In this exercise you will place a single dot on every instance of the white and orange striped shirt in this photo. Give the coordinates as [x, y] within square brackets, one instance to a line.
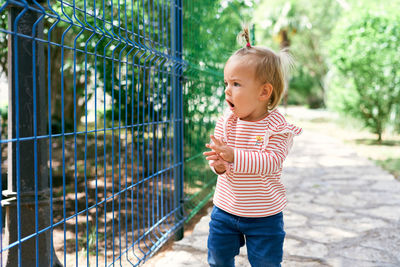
[251, 186]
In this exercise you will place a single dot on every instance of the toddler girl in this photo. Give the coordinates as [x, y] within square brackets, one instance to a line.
[249, 145]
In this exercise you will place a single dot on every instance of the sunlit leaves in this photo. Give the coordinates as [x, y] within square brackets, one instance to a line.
[365, 50]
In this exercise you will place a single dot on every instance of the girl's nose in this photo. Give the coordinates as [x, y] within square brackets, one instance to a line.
[227, 90]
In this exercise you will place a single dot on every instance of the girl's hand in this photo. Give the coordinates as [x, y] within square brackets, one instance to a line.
[216, 161]
[220, 169]
[221, 149]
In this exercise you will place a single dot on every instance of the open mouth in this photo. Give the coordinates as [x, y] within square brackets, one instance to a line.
[230, 103]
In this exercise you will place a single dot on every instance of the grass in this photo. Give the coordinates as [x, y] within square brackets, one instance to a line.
[392, 165]
[83, 241]
[385, 154]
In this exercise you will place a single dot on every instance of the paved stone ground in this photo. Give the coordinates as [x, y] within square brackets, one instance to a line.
[343, 211]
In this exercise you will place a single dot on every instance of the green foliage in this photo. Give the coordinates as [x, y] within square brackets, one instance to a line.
[96, 55]
[365, 52]
[136, 80]
[308, 24]
[305, 89]
[392, 165]
[209, 38]
[209, 30]
[88, 240]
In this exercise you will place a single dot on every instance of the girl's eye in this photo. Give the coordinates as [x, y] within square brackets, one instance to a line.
[236, 84]
[226, 84]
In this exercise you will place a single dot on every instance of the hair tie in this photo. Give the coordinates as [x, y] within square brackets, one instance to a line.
[248, 44]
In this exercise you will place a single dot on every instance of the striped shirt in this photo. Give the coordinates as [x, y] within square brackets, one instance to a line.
[251, 186]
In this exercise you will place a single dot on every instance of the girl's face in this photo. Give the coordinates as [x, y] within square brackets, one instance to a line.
[246, 96]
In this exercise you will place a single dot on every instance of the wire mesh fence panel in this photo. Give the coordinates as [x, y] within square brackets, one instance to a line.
[105, 102]
[91, 143]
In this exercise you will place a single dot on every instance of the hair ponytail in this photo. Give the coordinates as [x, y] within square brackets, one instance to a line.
[244, 35]
[287, 63]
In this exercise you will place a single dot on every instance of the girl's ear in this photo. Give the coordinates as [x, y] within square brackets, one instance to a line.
[266, 91]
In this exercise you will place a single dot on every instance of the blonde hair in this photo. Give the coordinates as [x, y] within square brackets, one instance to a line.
[270, 67]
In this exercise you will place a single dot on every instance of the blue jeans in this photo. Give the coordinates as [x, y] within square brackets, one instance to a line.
[263, 236]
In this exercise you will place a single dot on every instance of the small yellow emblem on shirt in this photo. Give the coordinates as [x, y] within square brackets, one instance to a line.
[259, 140]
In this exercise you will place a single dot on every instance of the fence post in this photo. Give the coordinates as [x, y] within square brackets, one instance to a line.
[176, 39]
[26, 199]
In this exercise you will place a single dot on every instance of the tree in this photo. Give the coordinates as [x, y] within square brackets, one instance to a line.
[364, 50]
[305, 25]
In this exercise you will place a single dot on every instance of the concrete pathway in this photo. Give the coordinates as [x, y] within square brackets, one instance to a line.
[343, 211]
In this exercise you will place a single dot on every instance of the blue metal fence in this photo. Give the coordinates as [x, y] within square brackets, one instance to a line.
[93, 158]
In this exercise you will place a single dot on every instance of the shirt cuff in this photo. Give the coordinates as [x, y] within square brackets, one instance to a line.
[215, 171]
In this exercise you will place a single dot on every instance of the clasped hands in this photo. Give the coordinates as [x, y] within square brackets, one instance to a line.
[220, 154]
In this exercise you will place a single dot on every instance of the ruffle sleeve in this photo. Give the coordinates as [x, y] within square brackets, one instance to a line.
[280, 129]
[284, 128]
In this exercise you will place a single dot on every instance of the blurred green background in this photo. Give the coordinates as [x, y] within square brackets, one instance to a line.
[347, 55]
